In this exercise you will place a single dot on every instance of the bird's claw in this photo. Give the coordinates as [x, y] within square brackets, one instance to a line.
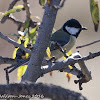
[52, 59]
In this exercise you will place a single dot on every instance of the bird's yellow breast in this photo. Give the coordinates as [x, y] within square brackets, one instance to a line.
[70, 44]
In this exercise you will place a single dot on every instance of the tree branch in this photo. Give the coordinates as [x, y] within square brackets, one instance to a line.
[60, 6]
[16, 21]
[88, 44]
[26, 6]
[14, 43]
[20, 24]
[38, 90]
[71, 60]
[47, 69]
[5, 60]
[42, 41]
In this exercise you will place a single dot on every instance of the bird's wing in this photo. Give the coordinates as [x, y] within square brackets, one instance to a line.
[59, 37]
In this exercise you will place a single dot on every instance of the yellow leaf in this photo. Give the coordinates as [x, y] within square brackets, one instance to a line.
[26, 41]
[15, 50]
[69, 53]
[19, 41]
[14, 53]
[26, 56]
[94, 8]
[21, 71]
[18, 7]
[15, 9]
[49, 56]
[48, 52]
[48, 1]
[70, 67]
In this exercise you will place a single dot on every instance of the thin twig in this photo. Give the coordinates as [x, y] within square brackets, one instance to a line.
[32, 24]
[13, 67]
[71, 60]
[7, 76]
[90, 56]
[60, 6]
[16, 65]
[88, 44]
[14, 43]
[19, 64]
[28, 13]
[47, 69]
[5, 60]
[27, 8]
[16, 21]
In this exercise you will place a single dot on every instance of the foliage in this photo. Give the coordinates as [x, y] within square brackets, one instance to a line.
[15, 9]
[42, 2]
[94, 13]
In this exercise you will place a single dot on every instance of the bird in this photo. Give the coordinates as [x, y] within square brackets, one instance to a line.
[65, 37]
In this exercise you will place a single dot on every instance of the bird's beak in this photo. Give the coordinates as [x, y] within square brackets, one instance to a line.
[84, 28]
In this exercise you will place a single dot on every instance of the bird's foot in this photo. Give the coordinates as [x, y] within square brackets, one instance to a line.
[52, 59]
[61, 49]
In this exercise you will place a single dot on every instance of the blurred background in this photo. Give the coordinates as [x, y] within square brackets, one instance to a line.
[78, 9]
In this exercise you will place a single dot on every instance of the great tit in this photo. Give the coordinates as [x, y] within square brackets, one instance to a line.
[66, 37]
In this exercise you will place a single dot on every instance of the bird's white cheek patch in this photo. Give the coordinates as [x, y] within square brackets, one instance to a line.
[72, 30]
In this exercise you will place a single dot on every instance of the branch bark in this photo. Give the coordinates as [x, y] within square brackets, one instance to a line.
[42, 41]
[38, 90]
[5, 60]
[14, 43]
[71, 60]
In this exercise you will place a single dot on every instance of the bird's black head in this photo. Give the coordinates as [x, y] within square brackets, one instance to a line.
[73, 27]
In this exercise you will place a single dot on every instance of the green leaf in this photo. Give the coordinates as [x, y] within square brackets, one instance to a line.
[94, 13]
[26, 24]
[13, 34]
[17, 8]
[42, 2]
[9, 12]
[32, 33]
[33, 30]
[26, 41]
[33, 42]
